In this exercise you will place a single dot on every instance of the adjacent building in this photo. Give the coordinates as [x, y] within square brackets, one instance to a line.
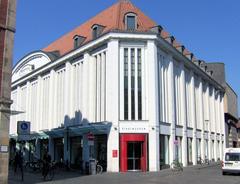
[7, 30]
[230, 105]
[122, 90]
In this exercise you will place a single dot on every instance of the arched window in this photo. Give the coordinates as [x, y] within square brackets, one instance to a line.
[131, 21]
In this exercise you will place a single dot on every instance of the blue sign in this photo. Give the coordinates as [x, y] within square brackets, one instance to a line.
[24, 126]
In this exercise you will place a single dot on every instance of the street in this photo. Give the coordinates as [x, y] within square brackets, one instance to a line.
[196, 175]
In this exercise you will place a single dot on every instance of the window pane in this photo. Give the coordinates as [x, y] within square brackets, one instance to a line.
[126, 84]
[133, 83]
[131, 22]
[139, 58]
[95, 32]
[232, 157]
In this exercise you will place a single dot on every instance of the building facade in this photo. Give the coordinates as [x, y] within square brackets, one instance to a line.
[121, 90]
[7, 30]
[230, 105]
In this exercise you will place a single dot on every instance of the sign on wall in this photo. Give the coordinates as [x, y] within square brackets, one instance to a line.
[3, 148]
[114, 153]
[23, 127]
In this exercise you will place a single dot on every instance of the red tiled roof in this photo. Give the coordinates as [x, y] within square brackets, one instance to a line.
[111, 18]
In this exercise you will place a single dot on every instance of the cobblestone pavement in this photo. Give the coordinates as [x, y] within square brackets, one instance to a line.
[196, 175]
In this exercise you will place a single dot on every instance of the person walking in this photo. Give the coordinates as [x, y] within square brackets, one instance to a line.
[46, 164]
[18, 162]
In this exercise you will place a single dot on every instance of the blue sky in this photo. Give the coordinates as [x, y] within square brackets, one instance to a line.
[209, 29]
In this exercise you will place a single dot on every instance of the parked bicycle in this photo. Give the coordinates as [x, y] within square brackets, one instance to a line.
[99, 168]
[203, 161]
[34, 166]
[176, 166]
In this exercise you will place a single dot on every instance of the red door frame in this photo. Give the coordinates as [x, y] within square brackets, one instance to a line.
[124, 138]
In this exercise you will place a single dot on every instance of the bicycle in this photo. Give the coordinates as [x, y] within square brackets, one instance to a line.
[99, 168]
[176, 166]
[201, 161]
[34, 166]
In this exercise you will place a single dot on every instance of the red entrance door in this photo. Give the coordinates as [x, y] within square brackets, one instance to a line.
[133, 152]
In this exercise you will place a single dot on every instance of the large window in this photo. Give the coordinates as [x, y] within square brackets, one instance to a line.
[139, 53]
[164, 151]
[132, 84]
[189, 151]
[125, 84]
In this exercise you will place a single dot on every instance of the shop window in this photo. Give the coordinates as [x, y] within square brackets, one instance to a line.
[164, 152]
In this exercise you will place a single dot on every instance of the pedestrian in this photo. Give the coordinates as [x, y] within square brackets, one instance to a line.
[46, 164]
[18, 162]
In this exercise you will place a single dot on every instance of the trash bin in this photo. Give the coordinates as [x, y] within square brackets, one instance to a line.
[92, 166]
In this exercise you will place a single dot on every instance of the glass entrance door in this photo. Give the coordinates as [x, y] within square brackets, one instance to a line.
[134, 155]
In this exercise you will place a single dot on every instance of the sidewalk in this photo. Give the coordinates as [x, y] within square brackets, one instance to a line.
[61, 176]
[31, 177]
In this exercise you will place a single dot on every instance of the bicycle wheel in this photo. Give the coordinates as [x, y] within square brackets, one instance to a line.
[99, 169]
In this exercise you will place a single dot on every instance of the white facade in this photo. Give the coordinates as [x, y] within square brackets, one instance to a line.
[174, 98]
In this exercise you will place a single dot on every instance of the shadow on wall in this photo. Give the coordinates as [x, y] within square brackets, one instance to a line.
[76, 120]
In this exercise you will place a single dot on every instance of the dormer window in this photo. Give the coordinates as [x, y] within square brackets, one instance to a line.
[131, 21]
[97, 30]
[77, 41]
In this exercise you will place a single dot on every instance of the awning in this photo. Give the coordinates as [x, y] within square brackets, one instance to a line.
[95, 128]
[55, 133]
[73, 130]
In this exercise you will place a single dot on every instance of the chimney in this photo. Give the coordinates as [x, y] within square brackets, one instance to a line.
[170, 39]
[190, 56]
[180, 48]
[157, 29]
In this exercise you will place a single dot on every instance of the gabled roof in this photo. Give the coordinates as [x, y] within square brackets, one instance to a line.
[111, 18]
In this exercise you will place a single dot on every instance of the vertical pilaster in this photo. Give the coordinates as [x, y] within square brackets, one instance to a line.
[193, 118]
[171, 106]
[39, 104]
[220, 124]
[215, 124]
[209, 124]
[86, 85]
[98, 87]
[153, 105]
[67, 94]
[103, 87]
[112, 99]
[201, 119]
[92, 88]
[183, 114]
[28, 101]
[51, 99]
